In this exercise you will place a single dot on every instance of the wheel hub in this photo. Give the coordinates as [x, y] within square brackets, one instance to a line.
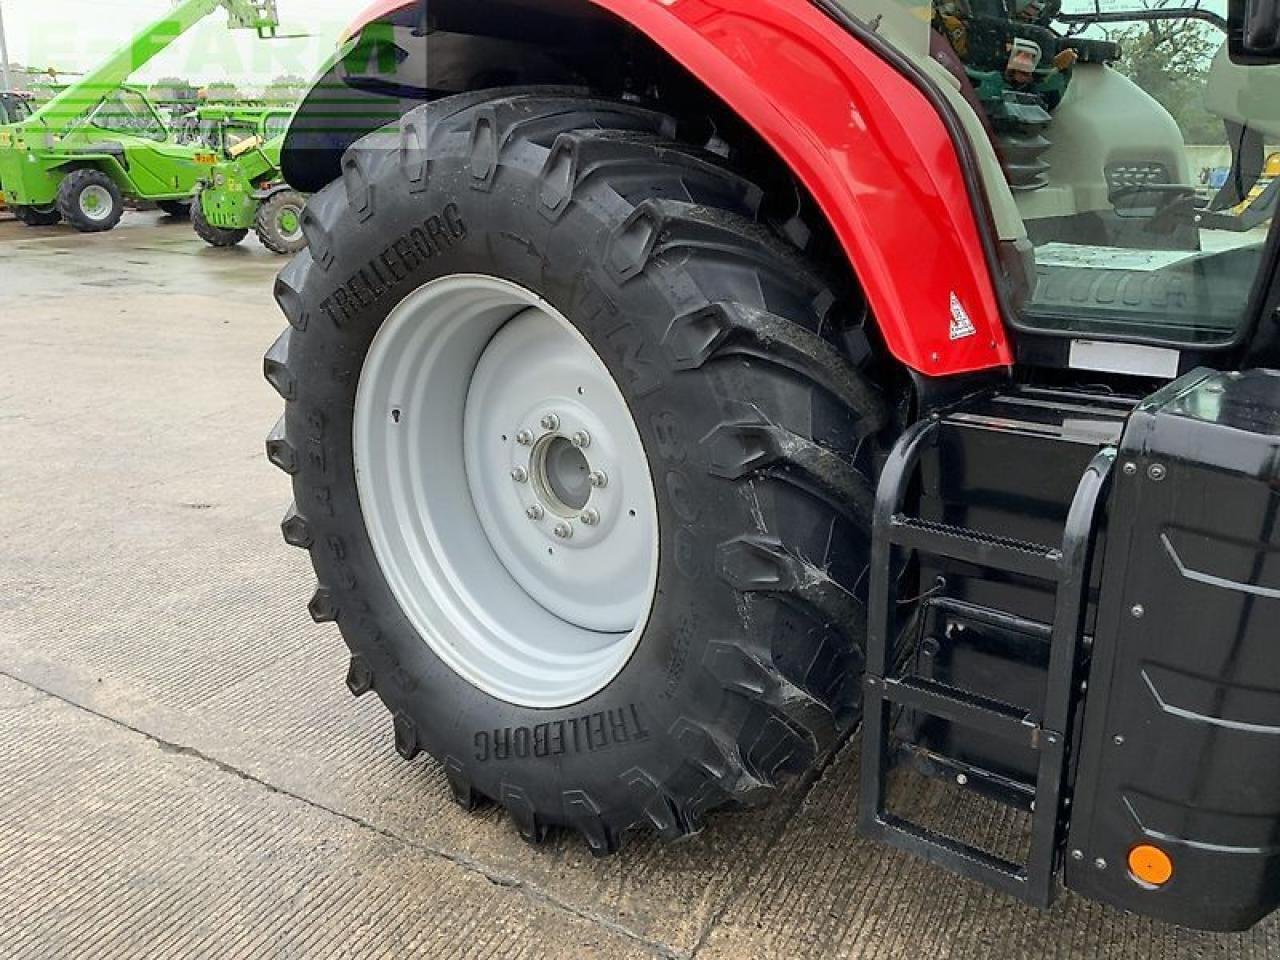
[577, 542]
[506, 490]
[95, 202]
[289, 223]
[561, 476]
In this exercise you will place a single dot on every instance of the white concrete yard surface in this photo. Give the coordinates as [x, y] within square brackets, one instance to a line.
[183, 773]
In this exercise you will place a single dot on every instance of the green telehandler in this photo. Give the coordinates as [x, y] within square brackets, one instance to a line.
[100, 141]
[245, 191]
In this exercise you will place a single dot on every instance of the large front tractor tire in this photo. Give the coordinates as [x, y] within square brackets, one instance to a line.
[90, 201]
[584, 477]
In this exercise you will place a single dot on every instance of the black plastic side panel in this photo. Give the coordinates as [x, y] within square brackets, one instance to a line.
[1181, 743]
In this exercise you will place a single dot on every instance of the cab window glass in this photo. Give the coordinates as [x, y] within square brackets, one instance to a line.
[127, 111]
[1143, 164]
[13, 108]
[277, 124]
[235, 133]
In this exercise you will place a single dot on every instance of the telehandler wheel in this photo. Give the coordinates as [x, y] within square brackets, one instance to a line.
[586, 481]
[178, 209]
[37, 216]
[278, 222]
[90, 201]
[206, 231]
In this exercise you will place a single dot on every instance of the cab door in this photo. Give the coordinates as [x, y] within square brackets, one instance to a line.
[156, 165]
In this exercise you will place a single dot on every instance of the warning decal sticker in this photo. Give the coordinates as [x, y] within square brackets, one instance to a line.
[961, 325]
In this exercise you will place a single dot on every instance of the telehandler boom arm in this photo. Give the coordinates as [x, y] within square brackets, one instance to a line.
[154, 39]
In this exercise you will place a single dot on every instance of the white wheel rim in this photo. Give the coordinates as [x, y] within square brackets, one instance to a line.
[506, 491]
[96, 202]
[294, 235]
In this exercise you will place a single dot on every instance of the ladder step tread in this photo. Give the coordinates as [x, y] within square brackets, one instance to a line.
[965, 708]
[976, 546]
[961, 857]
[1019, 793]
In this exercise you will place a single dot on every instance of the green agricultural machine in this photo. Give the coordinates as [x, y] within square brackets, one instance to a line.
[245, 191]
[100, 141]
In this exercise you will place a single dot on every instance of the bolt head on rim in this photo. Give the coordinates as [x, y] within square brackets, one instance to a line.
[510, 506]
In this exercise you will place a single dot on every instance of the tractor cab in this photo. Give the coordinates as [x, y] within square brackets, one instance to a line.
[1097, 128]
[126, 111]
[222, 128]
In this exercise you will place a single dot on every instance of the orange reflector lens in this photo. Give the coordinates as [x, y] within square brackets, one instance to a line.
[1150, 865]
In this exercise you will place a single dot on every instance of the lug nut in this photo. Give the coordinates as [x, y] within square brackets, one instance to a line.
[598, 479]
[524, 438]
[550, 422]
[535, 512]
[590, 517]
[582, 439]
[520, 475]
[564, 531]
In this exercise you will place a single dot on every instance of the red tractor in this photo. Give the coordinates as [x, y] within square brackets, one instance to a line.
[673, 386]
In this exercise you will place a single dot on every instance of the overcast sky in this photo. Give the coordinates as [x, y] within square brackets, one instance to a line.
[75, 34]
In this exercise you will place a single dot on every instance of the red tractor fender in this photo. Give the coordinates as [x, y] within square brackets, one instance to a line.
[868, 143]
[871, 148]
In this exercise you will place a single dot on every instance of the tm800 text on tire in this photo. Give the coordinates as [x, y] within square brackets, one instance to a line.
[585, 482]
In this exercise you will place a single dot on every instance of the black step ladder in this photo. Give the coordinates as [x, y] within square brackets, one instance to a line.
[1067, 567]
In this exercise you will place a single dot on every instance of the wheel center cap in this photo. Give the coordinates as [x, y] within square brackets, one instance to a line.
[561, 475]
